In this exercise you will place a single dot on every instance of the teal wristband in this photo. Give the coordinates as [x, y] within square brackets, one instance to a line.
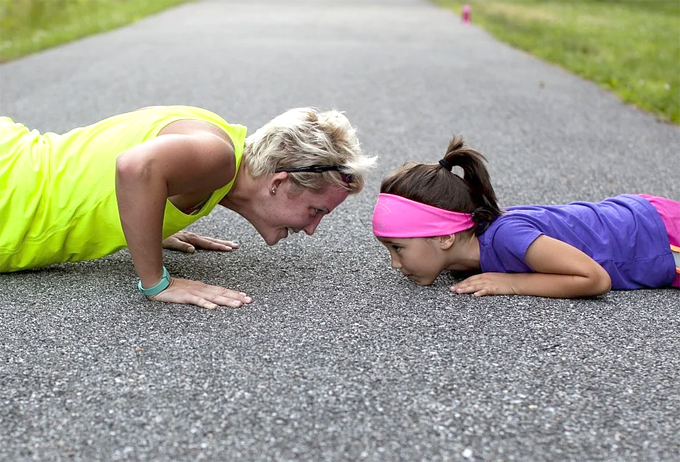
[158, 288]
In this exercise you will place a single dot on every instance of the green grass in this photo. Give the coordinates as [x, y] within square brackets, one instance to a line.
[631, 47]
[27, 26]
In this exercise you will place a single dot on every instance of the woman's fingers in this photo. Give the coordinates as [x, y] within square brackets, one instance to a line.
[226, 301]
[174, 243]
[214, 244]
[184, 246]
[189, 292]
[225, 297]
[192, 241]
[201, 302]
[217, 242]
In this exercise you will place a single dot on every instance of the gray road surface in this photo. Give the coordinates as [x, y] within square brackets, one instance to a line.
[339, 358]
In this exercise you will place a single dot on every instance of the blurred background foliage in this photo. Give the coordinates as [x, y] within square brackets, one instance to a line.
[631, 47]
[27, 26]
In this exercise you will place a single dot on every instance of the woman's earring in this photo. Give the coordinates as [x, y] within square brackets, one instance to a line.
[273, 191]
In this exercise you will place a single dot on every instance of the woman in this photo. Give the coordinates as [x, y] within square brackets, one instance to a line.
[136, 179]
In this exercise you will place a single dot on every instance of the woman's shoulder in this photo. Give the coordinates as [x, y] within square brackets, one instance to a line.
[179, 119]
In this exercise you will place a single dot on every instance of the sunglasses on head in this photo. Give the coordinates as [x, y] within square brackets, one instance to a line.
[346, 177]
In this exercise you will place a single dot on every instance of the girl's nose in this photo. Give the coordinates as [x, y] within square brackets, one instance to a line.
[394, 263]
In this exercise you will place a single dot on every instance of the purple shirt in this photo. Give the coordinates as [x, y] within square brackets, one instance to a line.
[624, 234]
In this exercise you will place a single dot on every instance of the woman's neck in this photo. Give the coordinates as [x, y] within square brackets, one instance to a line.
[243, 193]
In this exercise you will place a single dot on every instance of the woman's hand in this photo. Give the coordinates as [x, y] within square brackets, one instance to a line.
[185, 241]
[188, 292]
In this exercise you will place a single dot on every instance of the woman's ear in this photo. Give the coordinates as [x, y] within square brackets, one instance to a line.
[446, 242]
[275, 182]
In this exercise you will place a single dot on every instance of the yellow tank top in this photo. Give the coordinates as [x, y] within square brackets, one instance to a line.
[58, 195]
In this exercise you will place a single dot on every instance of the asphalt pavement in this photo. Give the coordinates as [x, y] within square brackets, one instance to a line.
[339, 358]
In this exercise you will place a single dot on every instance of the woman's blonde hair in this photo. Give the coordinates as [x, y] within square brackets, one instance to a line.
[304, 137]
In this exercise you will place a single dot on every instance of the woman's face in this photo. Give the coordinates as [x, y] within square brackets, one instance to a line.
[291, 209]
[419, 259]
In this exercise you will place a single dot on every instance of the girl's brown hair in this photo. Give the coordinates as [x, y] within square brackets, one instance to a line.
[436, 185]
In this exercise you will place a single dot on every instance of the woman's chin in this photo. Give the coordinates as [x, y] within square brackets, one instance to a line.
[273, 239]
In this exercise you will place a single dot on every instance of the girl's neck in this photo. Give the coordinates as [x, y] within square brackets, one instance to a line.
[464, 254]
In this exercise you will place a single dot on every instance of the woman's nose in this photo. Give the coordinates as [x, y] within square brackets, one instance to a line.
[310, 228]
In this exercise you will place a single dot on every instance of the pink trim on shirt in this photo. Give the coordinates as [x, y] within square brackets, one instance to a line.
[670, 215]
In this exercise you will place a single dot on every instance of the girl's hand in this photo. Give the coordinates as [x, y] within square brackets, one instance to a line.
[487, 284]
[188, 292]
[185, 241]
[561, 271]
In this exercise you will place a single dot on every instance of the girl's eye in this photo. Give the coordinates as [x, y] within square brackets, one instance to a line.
[396, 248]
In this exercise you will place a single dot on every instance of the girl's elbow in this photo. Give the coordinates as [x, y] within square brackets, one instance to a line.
[602, 282]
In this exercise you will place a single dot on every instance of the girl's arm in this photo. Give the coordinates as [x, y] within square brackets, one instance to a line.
[562, 271]
[146, 176]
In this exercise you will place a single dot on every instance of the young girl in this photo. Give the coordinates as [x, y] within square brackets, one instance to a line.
[433, 220]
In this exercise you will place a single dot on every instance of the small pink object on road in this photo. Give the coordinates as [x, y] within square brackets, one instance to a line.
[466, 14]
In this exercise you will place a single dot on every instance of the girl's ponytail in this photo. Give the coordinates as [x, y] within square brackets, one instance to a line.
[475, 174]
[437, 185]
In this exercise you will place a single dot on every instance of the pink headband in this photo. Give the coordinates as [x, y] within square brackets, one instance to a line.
[398, 217]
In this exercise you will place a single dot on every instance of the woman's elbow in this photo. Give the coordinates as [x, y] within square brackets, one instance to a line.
[131, 168]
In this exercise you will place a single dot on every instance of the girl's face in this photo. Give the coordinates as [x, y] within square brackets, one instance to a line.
[420, 259]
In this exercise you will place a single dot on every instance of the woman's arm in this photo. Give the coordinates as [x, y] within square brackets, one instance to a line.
[146, 176]
[562, 271]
